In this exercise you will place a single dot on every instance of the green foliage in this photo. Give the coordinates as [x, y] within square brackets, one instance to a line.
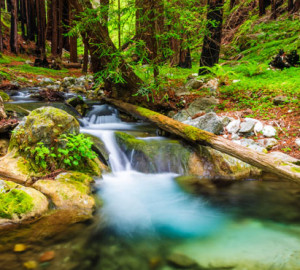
[70, 152]
[4, 96]
[14, 202]
[39, 70]
[219, 72]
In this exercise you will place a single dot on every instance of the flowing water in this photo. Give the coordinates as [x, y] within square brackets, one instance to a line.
[146, 217]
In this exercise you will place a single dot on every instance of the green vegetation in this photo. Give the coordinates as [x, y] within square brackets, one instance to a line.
[4, 96]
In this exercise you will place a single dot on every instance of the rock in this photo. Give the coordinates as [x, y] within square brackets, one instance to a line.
[181, 91]
[47, 256]
[19, 248]
[297, 141]
[196, 184]
[258, 127]
[46, 81]
[78, 89]
[209, 122]
[181, 261]
[247, 126]
[19, 203]
[202, 104]
[251, 144]
[226, 120]
[234, 126]
[212, 84]
[68, 81]
[79, 104]
[44, 125]
[181, 116]
[3, 146]
[268, 143]
[269, 131]
[28, 62]
[66, 193]
[193, 84]
[234, 136]
[283, 157]
[280, 100]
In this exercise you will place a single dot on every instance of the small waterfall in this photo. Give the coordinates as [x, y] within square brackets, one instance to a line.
[100, 122]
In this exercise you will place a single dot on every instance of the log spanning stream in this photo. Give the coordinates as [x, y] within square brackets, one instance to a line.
[148, 222]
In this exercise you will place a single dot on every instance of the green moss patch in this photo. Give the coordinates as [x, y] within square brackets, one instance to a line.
[75, 177]
[4, 96]
[14, 201]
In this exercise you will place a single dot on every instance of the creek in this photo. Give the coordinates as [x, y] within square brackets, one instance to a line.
[146, 217]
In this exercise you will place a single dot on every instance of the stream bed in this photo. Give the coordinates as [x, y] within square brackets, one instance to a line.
[147, 219]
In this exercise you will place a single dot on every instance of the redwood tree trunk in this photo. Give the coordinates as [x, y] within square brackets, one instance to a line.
[296, 7]
[1, 35]
[212, 40]
[73, 39]
[54, 39]
[14, 27]
[41, 26]
[274, 10]
[290, 5]
[98, 42]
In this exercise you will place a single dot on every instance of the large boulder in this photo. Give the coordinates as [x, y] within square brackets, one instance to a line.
[41, 129]
[19, 203]
[202, 104]
[209, 122]
[69, 191]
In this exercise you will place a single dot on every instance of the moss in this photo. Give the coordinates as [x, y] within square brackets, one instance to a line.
[13, 201]
[75, 177]
[147, 113]
[295, 169]
[82, 188]
[4, 96]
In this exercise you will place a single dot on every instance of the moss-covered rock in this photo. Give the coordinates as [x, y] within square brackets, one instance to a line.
[18, 203]
[44, 125]
[4, 96]
[3, 146]
[156, 155]
[69, 191]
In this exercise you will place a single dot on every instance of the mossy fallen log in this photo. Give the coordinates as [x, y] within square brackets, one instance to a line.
[194, 135]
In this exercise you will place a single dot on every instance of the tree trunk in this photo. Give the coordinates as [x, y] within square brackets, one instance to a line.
[98, 42]
[60, 28]
[262, 8]
[232, 4]
[274, 10]
[14, 28]
[212, 40]
[30, 19]
[198, 136]
[73, 39]
[85, 56]
[296, 7]
[1, 35]
[290, 5]
[54, 43]
[41, 26]
[104, 5]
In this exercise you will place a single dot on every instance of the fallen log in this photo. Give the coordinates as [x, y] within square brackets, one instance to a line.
[195, 135]
[72, 65]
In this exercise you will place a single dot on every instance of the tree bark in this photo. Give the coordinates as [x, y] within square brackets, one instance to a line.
[104, 5]
[98, 42]
[262, 8]
[212, 40]
[198, 136]
[41, 26]
[14, 28]
[290, 5]
[54, 39]
[1, 35]
[85, 56]
[73, 39]
[274, 10]
[296, 7]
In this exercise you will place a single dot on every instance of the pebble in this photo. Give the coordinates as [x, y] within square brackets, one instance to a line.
[233, 126]
[20, 248]
[47, 256]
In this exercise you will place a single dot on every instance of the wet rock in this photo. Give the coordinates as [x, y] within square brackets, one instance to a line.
[19, 203]
[226, 120]
[234, 136]
[209, 122]
[248, 125]
[79, 104]
[280, 100]
[181, 261]
[67, 194]
[181, 91]
[234, 126]
[269, 131]
[202, 104]
[78, 89]
[47, 256]
[196, 184]
[268, 143]
[68, 82]
[193, 84]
